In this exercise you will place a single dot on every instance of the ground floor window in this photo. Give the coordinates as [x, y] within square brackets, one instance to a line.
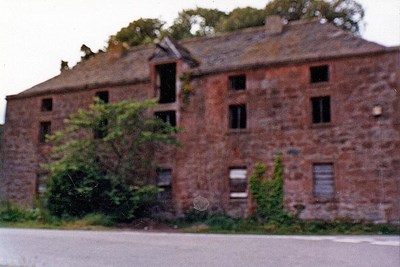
[323, 179]
[164, 182]
[238, 183]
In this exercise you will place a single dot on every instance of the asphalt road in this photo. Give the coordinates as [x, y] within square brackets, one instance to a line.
[28, 247]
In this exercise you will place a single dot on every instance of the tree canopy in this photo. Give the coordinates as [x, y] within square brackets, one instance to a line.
[346, 14]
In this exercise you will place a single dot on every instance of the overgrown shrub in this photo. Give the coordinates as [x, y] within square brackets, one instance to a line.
[193, 215]
[13, 213]
[268, 192]
[84, 190]
[221, 222]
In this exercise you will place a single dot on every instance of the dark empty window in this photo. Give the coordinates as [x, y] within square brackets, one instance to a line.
[41, 183]
[237, 116]
[164, 182]
[47, 104]
[45, 129]
[166, 82]
[237, 82]
[167, 116]
[101, 129]
[319, 74]
[321, 109]
[103, 96]
[323, 180]
[238, 183]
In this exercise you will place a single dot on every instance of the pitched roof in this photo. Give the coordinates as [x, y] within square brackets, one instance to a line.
[299, 41]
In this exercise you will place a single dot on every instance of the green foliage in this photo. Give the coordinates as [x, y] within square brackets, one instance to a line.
[268, 193]
[13, 213]
[241, 18]
[346, 14]
[221, 222]
[193, 215]
[108, 175]
[141, 31]
[195, 22]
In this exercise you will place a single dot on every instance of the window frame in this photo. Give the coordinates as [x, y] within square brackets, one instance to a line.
[238, 194]
[319, 74]
[237, 121]
[165, 94]
[235, 82]
[324, 104]
[44, 129]
[46, 104]
[317, 188]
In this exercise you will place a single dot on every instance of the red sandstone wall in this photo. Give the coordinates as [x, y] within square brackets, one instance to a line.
[365, 150]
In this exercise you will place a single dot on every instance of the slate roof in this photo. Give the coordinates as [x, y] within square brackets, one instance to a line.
[299, 41]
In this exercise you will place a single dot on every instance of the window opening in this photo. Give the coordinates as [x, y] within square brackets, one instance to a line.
[167, 116]
[47, 104]
[321, 109]
[237, 116]
[44, 129]
[238, 183]
[323, 179]
[319, 74]
[237, 82]
[166, 82]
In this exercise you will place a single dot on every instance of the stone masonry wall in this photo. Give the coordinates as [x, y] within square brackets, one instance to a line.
[364, 150]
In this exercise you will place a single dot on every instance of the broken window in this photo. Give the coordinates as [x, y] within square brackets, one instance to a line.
[237, 116]
[164, 182]
[41, 183]
[47, 104]
[101, 128]
[44, 129]
[323, 180]
[238, 183]
[167, 116]
[321, 109]
[166, 82]
[319, 74]
[237, 82]
[103, 96]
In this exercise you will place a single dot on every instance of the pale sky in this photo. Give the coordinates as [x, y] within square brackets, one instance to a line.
[36, 34]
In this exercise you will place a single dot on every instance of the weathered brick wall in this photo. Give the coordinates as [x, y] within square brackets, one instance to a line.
[365, 150]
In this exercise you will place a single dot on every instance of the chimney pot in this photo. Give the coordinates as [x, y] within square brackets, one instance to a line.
[273, 24]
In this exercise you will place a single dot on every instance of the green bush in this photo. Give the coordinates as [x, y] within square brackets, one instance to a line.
[13, 213]
[193, 215]
[75, 192]
[221, 222]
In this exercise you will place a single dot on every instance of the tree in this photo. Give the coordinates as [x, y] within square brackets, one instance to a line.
[196, 22]
[240, 18]
[108, 174]
[346, 14]
[141, 31]
[88, 53]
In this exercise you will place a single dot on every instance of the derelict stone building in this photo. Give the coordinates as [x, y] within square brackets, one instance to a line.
[327, 100]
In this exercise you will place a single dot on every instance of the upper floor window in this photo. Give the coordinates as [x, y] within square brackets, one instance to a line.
[103, 96]
[166, 82]
[321, 109]
[319, 74]
[237, 116]
[167, 116]
[47, 104]
[44, 129]
[237, 82]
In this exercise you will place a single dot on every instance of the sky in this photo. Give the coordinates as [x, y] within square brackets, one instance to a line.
[37, 34]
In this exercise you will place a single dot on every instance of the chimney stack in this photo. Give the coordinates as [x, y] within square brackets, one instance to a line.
[273, 24]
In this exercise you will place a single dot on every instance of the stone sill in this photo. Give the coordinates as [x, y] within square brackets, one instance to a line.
[321, 125]
[238, 131]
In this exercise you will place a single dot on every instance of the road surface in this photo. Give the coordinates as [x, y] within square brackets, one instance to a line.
[30, 247]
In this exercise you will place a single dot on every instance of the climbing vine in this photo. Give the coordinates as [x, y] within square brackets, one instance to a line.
[186, 88]
[268, 192]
